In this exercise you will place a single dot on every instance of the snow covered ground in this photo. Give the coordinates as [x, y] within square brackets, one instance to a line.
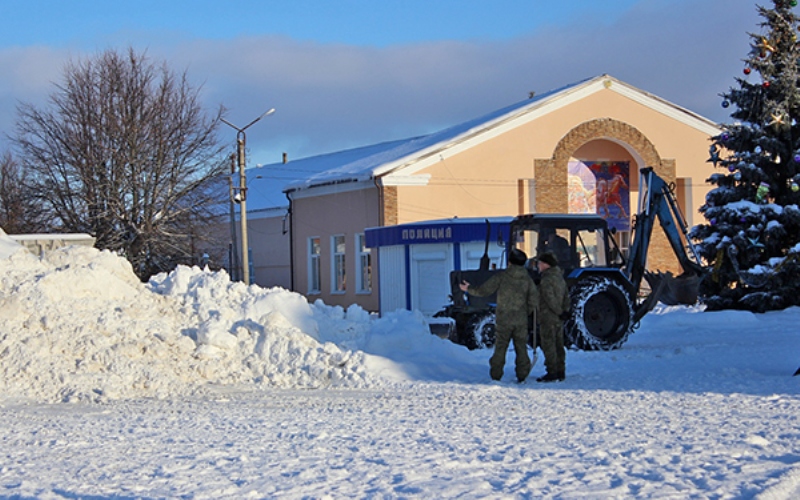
[191, 386]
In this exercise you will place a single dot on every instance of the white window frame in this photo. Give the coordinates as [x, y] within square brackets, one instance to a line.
[313, 265]
[363, 265]
[338, 264]
[623, 239]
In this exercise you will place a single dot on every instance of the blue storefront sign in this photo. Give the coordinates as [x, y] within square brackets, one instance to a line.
[439, 231]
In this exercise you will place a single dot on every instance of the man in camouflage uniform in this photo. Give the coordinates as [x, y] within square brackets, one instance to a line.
[553, 303]
[517, 298]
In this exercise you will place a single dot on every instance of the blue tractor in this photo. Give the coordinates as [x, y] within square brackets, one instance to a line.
[606, 284]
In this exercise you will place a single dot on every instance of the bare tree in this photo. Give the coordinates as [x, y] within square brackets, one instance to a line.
[125, 153]
[20, 210]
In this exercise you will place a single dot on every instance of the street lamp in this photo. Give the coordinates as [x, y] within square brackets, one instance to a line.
[241, 196]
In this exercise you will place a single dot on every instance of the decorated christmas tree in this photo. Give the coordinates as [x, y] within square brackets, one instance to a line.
[751, 238]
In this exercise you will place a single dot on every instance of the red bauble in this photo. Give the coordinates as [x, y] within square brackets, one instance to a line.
[765, 85]
[747, 71]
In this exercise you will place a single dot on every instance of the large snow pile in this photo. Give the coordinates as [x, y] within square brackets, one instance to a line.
[78, 325]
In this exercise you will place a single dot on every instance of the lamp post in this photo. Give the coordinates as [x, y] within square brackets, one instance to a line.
[241, 196]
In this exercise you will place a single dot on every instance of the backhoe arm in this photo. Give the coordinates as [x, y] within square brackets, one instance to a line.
[657, 201]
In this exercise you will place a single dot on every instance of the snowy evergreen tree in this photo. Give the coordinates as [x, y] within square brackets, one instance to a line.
[752, 236]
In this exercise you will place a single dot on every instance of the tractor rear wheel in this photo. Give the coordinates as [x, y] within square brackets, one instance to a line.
[602, 315]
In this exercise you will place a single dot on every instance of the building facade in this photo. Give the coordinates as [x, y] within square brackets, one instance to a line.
[574, 149]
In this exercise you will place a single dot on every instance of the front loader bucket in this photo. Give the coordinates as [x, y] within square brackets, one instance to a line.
[680, 290]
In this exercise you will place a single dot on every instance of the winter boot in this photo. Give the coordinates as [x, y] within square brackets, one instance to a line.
[549, 377]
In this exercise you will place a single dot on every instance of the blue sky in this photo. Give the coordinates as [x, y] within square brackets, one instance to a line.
[348, 73]
[378, 23]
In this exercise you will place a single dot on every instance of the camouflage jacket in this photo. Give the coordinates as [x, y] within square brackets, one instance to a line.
[553, 294]
[517, 296]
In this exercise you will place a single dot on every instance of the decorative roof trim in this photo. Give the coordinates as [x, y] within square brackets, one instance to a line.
[678, 113]
[489, 130]
[406, 180]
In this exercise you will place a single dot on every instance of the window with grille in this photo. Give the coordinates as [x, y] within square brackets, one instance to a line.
[339, 277]
[314, 285]
[364, 267]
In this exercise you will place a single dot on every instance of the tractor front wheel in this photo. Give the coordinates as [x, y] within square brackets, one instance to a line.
[482, 329]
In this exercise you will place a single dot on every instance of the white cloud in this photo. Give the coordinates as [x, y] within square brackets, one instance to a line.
[332, 96]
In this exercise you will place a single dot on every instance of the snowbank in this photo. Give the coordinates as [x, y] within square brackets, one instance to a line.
[77, 325]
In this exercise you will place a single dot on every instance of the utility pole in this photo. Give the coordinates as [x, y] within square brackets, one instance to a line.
[233, 252]
[241, 196]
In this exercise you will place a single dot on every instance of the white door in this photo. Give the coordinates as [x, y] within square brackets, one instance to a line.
[392, 278]
[430, 277]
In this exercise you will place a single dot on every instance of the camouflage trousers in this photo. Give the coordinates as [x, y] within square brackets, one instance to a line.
[504, 335]
[552, 342]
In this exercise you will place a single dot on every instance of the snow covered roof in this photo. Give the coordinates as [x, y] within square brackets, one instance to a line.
[267, 183]
[396, 161]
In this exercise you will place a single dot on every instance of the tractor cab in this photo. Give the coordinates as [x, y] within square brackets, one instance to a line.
[577, 240]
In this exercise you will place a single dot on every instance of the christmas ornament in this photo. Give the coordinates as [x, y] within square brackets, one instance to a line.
[762, 192]
[797, 158]
[725, 104]
[778, 120]
[765, 85]
[737, 176]
[747, 71]
[765, 46]
[731, 167]
[795, 187]
[758, 150]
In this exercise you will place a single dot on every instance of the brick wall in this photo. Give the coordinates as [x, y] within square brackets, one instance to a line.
[551, 176]
[390, 212]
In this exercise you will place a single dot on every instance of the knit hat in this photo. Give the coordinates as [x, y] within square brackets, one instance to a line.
[517, 257]
[549, 258]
